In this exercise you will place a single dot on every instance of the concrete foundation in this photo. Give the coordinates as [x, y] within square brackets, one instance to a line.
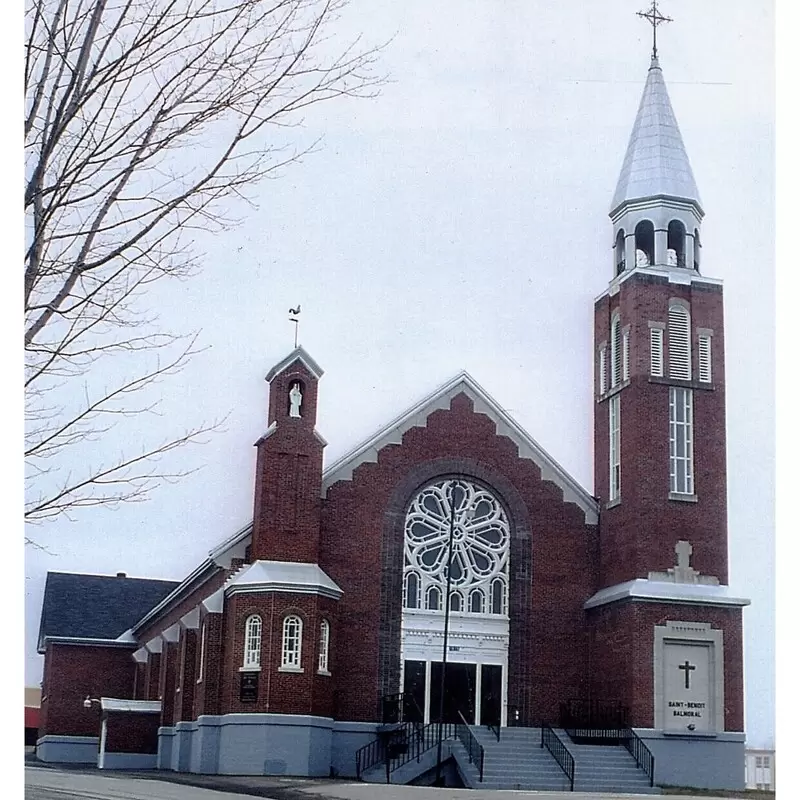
[698, 761]
[68, 749]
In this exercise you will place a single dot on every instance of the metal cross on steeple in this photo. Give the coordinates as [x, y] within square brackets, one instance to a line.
[655, 18]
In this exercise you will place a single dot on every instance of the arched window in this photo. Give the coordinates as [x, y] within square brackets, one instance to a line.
[680, 350]
[292, 642]
[252, 642]
[676, 244]
[455, 601]
[619, 252]
[645, 243]
[697, 247]
[498, 596]
[433, 598]
[324, 644]
[616, 351]
[477, 601]
[411, 590]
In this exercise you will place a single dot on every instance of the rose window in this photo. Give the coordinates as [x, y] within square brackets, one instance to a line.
[479, 557]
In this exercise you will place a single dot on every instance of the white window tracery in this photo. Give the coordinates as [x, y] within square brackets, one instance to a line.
[252, 642]
[481, 537]
[324, 645]
[292, 642]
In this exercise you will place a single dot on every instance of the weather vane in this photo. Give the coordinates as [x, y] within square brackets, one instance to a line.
[294, 316]
[655, 18]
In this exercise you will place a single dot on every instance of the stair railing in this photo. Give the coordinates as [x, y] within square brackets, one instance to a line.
[560, 753]
[640, 751]
[369, 755]
[473, 747]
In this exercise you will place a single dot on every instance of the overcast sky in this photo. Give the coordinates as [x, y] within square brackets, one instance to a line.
[459, 221]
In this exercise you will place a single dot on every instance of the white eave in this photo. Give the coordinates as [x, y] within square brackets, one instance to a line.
[283, 576]
[298, 354]
[85, 640]
[647, 591]
[131, 706]
[417, 416]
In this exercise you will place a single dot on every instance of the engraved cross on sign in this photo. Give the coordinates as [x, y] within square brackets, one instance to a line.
[655, 18]
[687, 668]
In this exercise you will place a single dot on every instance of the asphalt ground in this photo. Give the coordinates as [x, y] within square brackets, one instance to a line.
[58, 783]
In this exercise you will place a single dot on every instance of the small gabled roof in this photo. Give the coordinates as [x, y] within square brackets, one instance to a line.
[298, 354]
[483, 403]
[655, 164]
[100, 607]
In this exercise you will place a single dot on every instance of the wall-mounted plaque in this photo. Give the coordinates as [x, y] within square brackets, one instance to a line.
[248, 687]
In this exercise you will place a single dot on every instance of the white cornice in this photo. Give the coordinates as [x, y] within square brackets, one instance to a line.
[646, 591]
[676, 275]
[417, 416]
[283, 576]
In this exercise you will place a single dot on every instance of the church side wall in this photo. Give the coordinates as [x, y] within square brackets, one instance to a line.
[550, 564]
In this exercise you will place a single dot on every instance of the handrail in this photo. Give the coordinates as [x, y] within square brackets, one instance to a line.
[495, 729]
[473, 747]
[640, 751]
[400, 746]
[560, 753]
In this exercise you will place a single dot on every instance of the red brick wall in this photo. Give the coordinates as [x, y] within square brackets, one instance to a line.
[553, 569]
[639, 534]
[152, 676]
[207, 691]
[185, 679]
[166, 684]
[71, 673]
[278, 692]
[288, 476]
[132, 733]
[622, 654]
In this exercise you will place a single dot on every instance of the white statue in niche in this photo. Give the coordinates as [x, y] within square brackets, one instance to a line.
[295, 400]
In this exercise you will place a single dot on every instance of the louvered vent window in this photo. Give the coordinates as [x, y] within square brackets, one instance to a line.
[704, 358]
[680, 359]
[626, 353]
[602, 367]
[613, 448]
[616, 353]
[657, 352]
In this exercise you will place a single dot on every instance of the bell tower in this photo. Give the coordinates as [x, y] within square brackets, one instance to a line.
[660, 372]
[666, 631]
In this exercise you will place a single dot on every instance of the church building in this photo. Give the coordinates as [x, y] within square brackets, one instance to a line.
[449, 570]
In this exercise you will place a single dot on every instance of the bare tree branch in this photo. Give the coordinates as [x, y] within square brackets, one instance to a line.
[143, 119]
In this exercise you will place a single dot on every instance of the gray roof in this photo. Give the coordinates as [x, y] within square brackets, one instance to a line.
[96, 606]
[655, 162]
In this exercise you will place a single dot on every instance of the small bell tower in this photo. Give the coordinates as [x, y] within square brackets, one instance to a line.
[289, 465]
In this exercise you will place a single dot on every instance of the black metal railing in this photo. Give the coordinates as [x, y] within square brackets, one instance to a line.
[560, 753]
[369, 755]
[494, 727]
[398, 747]
[640, 751]
[473, 747]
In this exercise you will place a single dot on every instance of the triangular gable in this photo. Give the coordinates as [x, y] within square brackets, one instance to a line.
[298, 354]
[483, 403]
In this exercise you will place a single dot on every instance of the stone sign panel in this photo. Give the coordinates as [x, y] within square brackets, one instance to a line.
[686, 687]
[688, 678]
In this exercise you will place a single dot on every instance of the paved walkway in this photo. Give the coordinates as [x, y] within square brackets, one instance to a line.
[49, 783]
